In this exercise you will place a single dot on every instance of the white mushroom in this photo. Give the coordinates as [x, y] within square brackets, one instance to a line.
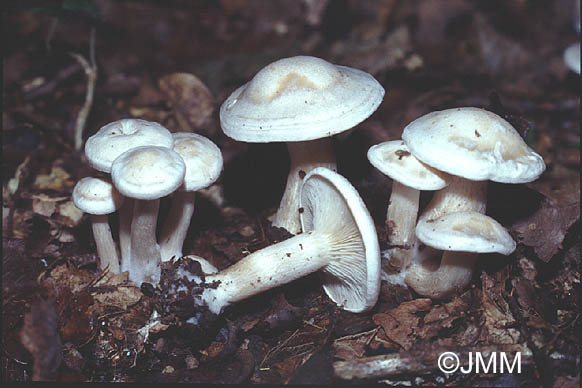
[409, 176]
[339, 240]
[302, 101]
[572, 57]
[203, 161]
[474, 145]
[112, 140]
[146, 174]
[462, 236]
[99, 198]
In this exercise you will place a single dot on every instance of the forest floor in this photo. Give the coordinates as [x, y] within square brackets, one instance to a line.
[65, 320]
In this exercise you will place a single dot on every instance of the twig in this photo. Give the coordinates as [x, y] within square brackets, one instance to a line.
[91, 73]
[418, 362]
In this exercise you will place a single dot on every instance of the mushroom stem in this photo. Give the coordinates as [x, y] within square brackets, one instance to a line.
[460, 195]
[145, 256]
[304, 156]
[176, 225]
[400, 222]
[425, 275]
[268, 268]
[104, 241]
[438, 281]
[125, 218]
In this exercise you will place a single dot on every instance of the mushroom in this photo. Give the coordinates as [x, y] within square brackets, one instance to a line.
[462, 236]
[99, 198]
[146, 173]
[112, 140]
[474, 145]
[302, 101]
[203, 161]
[409, 176]
[339, 240]
[572, 57]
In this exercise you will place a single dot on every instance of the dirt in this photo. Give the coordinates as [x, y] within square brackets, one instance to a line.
[65, 320]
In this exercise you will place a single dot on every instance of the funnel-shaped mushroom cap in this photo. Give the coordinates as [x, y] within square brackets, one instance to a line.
[202, 157]
[331, 205]
[148, 172]
[299, 98]
[474, 144]
[119, 136]
[96, 196]
[394, 159]
[467, 231]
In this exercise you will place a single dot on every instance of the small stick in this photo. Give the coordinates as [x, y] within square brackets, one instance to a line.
[91, 73]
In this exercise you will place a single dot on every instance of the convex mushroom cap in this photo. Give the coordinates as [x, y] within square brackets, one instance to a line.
[466, 231]
[99, 198]
[202, 158]
[299, 98]
[96, 196]
[119, 136]
[474, 144]
[148, 172]
[394, 159]
[203, 161]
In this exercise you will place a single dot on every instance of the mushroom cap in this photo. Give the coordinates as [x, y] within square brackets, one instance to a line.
[119, 136]
[572, 57]
[467, 231]
[148, 172]
[202, 158]
[394, 159]
[299, 98]
[332, 205]
[474, 144]
[96, 196]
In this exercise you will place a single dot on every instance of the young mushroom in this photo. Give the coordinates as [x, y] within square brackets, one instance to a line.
[460, 236]
[302, 101]
[99, 198]
[409, 176]
[473, 146]
[203, 161]
[146, 174]
[339, 240]
[112, 140]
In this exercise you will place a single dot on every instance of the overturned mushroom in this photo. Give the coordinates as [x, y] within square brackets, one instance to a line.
[474, 145]
[409, 176]
[302, 101]
[99, 198]
[339, 240]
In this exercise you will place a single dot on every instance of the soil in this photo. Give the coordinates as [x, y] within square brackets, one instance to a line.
[70, 65]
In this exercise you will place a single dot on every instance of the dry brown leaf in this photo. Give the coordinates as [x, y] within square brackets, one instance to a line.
[58, 179]
[191, 100]
[400, 323]
[498, 317]
[546, 228]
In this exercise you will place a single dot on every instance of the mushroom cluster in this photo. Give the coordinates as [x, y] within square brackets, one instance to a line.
[470, 146]
[146, 162]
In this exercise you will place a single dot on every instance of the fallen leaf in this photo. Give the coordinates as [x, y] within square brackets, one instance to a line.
[400, 323]
[545, 229]
[58, 180]
[498, 317]
[191, 100]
